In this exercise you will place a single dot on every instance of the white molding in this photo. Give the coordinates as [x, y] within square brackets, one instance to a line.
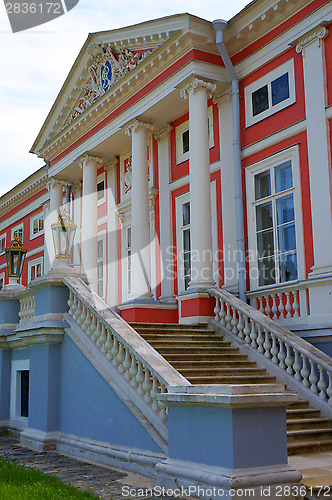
[36, 204]
[15, 389]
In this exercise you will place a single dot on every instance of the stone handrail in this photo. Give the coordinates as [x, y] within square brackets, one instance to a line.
[307, 366]
[280, 302]
[27, 306]
[143, 367]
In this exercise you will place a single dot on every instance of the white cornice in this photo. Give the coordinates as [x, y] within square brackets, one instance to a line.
[37, 203]
[24, 195]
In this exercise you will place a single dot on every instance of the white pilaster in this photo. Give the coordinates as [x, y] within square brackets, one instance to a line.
[55, 187]
[112, 256]
[167, 281]
[140, 225]
[90, 165]
[200, 190]
[47, 238]
[311, 47]
[77, 210]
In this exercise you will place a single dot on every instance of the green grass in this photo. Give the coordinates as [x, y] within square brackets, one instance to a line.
[23, 483]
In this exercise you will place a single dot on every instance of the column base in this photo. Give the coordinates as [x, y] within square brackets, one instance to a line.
[149, 311]
[39, 440]
[195, 306]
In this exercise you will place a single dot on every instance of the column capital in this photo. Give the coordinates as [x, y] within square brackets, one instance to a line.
[193, 84]
[52, 182]
[111, 164]
[87, 158]
[136, 124]
[77, 187]
[160, 133]
[46, 206]
[317, 34]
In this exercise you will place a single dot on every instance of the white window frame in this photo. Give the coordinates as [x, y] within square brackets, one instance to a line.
[15, 389]
[17, 228]
[102, 237]
[180, 201]
[2, 277]
[124, 235]
[3, 237]
[35, 262]
[291, 154]
[101, 178]
[38, 216]
[287, 67]
[179, 131]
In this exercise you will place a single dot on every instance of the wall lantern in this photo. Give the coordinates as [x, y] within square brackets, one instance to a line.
[63, 233]
[15, 257]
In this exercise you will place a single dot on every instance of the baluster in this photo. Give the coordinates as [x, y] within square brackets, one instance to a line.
[305, 371]
[126, 365]
[281, 307]
[296, 305]
[154, 394]
[260, 339]
[267, 307]
[234, 321]
[162, 405]
[282, 355]
[247, 330]
[78, 311]
[115, 351]
[222, 313]
[289, 360]
[133, 371]
[253, 335]
[102, 339]
[140, 378]
[97, 332]
[240, 327]
[261, 307]
[329, 389]
[274, 349]
[274, 309]
[121, 357]
[267, 344]
[313, 377]
[216, 310]
[147, 386]
[70, 301]
[82, 316]
[297, 365]
[108, 343]
[87, 322]
[228, 317]
[93, 329]
[322, 385]
[288, 306]
[74, 306]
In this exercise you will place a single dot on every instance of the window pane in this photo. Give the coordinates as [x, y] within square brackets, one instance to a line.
[41, 224]
[264, 216]
[262, 185]
[38, 272]
[185, 141]
[100, 269]
[283, 176]
[260, 101]
[186, 240]
[24, 393]
[100, 249]
[186, 214]
[266, 268]
[265, 245]
[286, 238]
[280, 89]
[100, 190]
[285, 209]
[35, 226]
[288, 267]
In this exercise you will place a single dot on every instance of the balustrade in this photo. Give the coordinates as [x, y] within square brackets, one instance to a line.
[27, 307]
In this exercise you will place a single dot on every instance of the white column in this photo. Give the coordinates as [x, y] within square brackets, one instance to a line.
[140, 226]
[167, 281]
[55, 187]
[312, 47]
[112, 256]
[47, 238]
[77, 220]
[90, 165]
[200, 189]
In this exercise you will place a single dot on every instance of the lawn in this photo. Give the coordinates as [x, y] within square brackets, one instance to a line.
[23, 483]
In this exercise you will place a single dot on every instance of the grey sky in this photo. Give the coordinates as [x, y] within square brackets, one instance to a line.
[35, 63]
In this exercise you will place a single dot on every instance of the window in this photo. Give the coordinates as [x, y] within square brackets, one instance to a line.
[36, 225]
[185, 142]
[269, 94]
[101, 265]
[186, 244]
[273, 213]
[19, 390]
[182, 138]
[18, 231]
[35, 268]
[2, 243]
[101, 189]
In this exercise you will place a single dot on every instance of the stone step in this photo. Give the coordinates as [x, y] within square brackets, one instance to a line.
[308, 446]
[301, 412]
[232, 379]
[186, 339]
[178, 349]
[199, 365]
[168, 327]
[306, 423]
[208, 345]
[312, 433]
[204, 357]
[191, 372]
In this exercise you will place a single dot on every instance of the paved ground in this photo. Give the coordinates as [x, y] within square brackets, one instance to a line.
[104, 482]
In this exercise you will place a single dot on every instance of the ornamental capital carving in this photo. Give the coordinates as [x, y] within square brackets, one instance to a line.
[87, 158]
[53, 182]
[196, 84]
[122, 217]
[76, 187]
[166, 130]
[318, 34]
[111, 164]
[135, 125]
[46, 206]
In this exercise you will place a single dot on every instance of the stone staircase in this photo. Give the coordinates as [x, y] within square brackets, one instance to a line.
[203, 357]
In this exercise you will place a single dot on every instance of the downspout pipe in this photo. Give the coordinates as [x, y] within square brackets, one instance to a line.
[219, 26]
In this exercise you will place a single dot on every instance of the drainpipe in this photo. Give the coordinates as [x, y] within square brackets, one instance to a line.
[219, 26]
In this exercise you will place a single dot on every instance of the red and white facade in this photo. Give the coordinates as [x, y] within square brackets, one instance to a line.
[139, 146]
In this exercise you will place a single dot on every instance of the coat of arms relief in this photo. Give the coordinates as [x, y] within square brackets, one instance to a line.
[107, 67]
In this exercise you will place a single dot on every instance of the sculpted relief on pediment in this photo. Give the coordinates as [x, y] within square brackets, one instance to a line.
[107, 67]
